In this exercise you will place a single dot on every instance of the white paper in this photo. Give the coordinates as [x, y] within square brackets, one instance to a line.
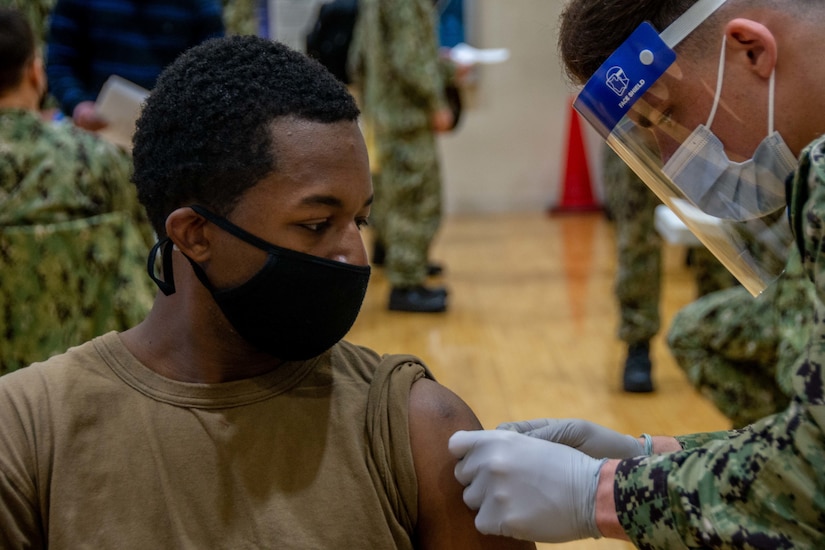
[291, 20]
[119, 103]
[464, 54]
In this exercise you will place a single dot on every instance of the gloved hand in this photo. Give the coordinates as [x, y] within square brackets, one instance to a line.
[592, 439]
[527, 488]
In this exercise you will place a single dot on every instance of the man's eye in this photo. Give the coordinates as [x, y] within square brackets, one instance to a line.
[316, 227]
[362, 223]
[665, 118]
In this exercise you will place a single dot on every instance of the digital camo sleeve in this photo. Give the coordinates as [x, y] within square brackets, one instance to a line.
[761, 489]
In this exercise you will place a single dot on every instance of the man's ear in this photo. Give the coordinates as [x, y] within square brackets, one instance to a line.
[189, 232]
[36, 75]
[753, 42]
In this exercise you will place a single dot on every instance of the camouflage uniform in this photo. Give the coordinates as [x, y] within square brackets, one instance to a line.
[397, 71]
[639, 247]
[740, 351]
[241, 16]
[73, 239]
[762, 486]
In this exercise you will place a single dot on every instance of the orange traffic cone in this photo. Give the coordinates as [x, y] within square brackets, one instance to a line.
[577, 191]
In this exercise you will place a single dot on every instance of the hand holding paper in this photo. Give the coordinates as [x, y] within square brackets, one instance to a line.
[464, 54]
[119, 104]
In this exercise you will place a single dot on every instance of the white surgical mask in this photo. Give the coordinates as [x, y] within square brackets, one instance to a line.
[732, 190]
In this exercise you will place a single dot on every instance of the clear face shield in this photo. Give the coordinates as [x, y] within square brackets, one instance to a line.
[736, 209]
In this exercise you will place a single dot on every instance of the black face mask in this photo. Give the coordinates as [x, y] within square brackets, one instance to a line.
[296, 307]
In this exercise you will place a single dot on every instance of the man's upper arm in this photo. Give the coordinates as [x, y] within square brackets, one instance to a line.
[20, 521]
[444, 521]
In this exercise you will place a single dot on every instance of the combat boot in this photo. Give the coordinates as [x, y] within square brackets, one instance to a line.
[637, 367]
[418, 299]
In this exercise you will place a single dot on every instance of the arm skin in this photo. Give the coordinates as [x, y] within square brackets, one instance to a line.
[444, 522]
[607, 521]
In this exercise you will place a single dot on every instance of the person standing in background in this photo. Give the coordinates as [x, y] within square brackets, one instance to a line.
[639, 268]
[450, 22]
[399, 76]
[245, 17]
[234, 413]
[90, 40]
[73, 236]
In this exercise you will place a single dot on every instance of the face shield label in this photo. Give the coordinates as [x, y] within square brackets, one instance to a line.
[626, 75]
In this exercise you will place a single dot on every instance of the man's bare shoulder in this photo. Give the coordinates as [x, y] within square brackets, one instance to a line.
[444, 521]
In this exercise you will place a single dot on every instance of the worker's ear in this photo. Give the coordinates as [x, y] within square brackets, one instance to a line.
[753, 44]
[36, 75]
[190, 232]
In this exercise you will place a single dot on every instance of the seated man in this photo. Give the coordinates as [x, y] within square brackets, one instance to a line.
[234, 416]
[73, 235]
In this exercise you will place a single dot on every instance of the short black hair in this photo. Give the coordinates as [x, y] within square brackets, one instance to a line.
[591, 30]
[17, 48]
[204, 135]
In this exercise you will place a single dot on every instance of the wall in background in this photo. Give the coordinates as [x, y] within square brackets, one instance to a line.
[508, 154]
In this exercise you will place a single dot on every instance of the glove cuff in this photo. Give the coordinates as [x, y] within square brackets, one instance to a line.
[592, 529]
[648, 444]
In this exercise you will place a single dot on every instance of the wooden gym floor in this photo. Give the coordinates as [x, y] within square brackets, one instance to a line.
[531, 328]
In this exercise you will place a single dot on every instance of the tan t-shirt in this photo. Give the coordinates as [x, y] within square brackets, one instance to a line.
[97, 451]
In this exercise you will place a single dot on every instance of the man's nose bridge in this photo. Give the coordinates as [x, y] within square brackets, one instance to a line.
[350, 248]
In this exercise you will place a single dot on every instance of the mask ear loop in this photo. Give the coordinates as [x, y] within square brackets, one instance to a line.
[720, 77]
[165, 247]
